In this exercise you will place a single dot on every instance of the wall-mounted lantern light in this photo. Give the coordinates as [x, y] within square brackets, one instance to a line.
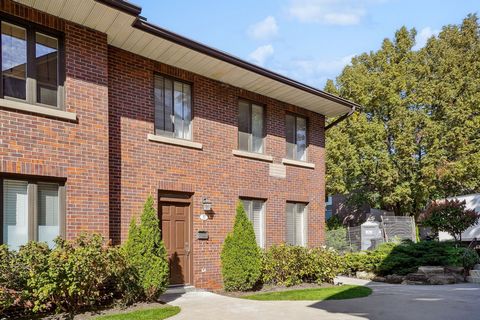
[207, 204]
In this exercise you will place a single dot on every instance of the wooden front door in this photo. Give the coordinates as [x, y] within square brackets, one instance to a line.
[176, 234]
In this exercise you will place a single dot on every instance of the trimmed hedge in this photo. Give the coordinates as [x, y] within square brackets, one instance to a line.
[287, 265]
[406, 257]
[73, 275]
[241, 257]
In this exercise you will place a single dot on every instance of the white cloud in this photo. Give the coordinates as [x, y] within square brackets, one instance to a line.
[332, 12]
[261, 54]
[315, 72]
[264, 29]
[423, 36]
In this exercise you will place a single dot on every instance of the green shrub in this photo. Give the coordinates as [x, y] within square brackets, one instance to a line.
[11, 279]
[146, 252]
[287, 265]
[337, 239]
[368, 261]
[284, 265]
[74, 275]
[406, 257]
[323, 265]
[241, 257]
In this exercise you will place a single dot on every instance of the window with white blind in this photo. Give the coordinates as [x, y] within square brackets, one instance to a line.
[173, 108]
[255, 210]
[31, 210]
[296, 224]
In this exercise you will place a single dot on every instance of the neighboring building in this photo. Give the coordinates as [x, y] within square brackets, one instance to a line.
[100, 108]
[350, 215]
[472, 202]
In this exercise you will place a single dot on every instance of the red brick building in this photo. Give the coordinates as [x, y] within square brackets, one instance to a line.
[100, 108]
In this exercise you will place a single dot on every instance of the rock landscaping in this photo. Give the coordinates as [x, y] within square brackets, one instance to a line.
[426, 275]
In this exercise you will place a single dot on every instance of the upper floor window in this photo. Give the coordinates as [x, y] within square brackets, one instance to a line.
[31, 211]
[173, 108]
[255, 210]
[30, 65]
[251, 131]
[297, 224]
[296, 135]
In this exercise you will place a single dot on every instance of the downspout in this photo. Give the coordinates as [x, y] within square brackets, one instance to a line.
[345, 116]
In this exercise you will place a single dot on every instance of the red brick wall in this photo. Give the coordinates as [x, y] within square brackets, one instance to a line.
[140, 167]
[111, 167]
[78, 151]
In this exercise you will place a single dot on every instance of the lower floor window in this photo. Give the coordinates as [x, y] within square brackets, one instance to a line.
[255, 210]
[296, 224]
[31, 210]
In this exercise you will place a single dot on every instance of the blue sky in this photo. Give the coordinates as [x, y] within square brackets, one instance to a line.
[308, 40]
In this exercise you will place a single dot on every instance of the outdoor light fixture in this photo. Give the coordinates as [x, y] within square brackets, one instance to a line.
[207, 204]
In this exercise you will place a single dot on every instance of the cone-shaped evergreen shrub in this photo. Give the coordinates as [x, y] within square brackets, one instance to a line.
[241, 257]
[146, 252]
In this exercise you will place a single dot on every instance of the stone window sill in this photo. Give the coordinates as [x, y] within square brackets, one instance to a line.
[175, 141]
[40, 110]
[298, 163]
[252, 155]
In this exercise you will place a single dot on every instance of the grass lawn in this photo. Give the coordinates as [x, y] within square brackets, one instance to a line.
[147, 314]
[329, 293]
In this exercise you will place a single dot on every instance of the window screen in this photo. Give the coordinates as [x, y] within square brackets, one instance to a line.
[255, 210]
[15, 213]
[296, 224]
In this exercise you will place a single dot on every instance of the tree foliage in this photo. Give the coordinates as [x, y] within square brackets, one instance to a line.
[241, 257]
[417, 136]
[450, 216]
[146, 252]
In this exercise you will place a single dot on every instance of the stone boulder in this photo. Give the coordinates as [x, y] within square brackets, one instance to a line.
[435, 275]
[394, 278]
[439, 279]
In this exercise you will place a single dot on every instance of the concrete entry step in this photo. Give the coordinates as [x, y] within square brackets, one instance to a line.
[180, 289]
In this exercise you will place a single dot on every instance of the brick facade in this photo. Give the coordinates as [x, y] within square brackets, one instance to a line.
[78, 151]
[111, 167]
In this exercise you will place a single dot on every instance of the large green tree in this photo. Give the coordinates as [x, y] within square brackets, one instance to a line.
[417, 137]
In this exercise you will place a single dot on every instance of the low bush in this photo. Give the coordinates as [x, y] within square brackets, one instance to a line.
[368, 261]
[147, 254]
[287, 265]
[241, 257]
[284, 265]
[406, 257]
[73, 275]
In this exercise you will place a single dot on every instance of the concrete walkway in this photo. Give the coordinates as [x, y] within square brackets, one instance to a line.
[389, 302]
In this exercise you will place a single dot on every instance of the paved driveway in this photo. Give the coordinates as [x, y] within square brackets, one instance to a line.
[389, 302]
